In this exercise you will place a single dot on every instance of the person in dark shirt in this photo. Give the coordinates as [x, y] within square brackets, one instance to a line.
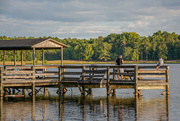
[120, 61]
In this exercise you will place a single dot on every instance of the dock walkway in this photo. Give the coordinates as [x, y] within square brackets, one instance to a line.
[15, 79]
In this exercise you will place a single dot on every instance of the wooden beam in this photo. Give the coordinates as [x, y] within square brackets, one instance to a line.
[34, 62]
[4, 59]
[21, 57]
[14, 57]
[62, 56]
[43, 57]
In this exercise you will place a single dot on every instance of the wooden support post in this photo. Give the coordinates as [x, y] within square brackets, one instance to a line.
[23, 92]
[34, 62]
[136, 80]
[21, 57]
[33, 83]
[167, 107]
[1, 81]
[114, 76]
[13, 91]
[114, 91]
[83, 88]
[33, 109]
[167, 80]
[108, 80]
[43, 57]
[45, 91]
[61, 56]
[4, 58]
[14, 57]
[108, 108]
[60, 79]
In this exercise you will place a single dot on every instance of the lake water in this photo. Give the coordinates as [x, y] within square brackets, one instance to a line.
[98, 107]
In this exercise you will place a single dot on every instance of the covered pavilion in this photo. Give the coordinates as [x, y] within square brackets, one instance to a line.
[30, 44]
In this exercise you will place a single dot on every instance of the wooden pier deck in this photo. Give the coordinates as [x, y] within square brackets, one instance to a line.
[19, 78]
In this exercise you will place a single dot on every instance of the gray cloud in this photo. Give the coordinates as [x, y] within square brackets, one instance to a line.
[87, 18]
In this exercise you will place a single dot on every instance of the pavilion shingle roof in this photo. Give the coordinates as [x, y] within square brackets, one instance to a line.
[27, 44]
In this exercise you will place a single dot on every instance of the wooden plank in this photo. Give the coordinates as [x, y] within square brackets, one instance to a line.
[123, 66]
[45, 74]
[152, 80]
[46, 80]
[15, 82]
[51, 77]
[153, 67]
[72, 73]
[92, 75]
[17, 72]
[15, 77]
[18, 67]
[51, 72]
[95, 71]
[121, 81]
[69, 66]
[45, 67]
[152, 71]
[151, 87]
[115, 86]
[151, 76]
[152, 83]
[125, 74]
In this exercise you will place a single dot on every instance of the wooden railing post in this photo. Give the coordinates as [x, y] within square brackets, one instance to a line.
[60, 74]
[1, 81]
[60, 79]
[83, 72]
[136, 80]
[114, 76]
[108, 80]
[33, 82]
[83, 88]
[167, 80]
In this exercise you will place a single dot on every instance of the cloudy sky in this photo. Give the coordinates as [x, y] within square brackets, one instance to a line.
[87, 18]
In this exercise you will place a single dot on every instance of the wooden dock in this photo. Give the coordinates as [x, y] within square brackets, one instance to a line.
[15, 79]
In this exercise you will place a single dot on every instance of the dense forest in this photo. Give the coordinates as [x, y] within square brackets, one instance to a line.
[130, 44]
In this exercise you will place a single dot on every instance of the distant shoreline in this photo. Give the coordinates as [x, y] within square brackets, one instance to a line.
[89, 62]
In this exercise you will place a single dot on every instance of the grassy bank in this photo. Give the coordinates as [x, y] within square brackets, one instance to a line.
[88, 62]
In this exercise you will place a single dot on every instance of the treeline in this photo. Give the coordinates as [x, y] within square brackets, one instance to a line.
[129, 44]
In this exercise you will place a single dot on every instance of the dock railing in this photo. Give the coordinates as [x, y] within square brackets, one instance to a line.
[137, 77]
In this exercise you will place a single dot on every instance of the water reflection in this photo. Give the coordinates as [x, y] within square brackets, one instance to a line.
[86, 108]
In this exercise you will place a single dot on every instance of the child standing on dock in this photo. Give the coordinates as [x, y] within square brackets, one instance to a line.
[160, 63]
[120, 61]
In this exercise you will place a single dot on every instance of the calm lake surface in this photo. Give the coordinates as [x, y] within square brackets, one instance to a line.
[152, 106]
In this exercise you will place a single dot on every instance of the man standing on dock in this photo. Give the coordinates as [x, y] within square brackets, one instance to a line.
[120, 61]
